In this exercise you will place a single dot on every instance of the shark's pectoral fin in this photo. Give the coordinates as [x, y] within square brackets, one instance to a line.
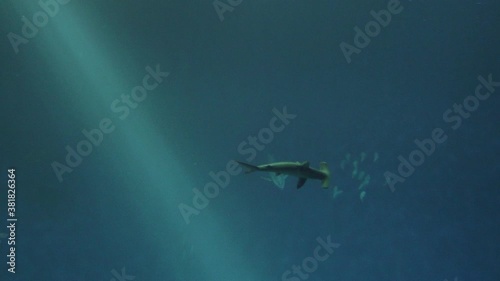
[301, 182]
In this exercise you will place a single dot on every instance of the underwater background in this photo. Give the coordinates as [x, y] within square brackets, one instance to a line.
[122, 121]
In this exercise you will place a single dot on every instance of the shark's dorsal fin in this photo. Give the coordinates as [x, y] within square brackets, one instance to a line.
[305, 164]
[301, 182]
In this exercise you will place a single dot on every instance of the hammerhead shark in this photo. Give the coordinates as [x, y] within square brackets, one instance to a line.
[300, 170]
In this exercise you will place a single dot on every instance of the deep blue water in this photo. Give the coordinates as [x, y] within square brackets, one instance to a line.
[122, 120]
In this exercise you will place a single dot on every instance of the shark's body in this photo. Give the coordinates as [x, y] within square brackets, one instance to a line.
[300, 170]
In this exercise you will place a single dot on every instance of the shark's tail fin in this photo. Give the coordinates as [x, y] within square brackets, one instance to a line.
[248, 167]
[323, 167]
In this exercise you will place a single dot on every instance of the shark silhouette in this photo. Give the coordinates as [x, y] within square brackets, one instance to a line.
[298, 169]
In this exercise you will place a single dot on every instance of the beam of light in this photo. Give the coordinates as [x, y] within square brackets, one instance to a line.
[70, 36]
[221, 260]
